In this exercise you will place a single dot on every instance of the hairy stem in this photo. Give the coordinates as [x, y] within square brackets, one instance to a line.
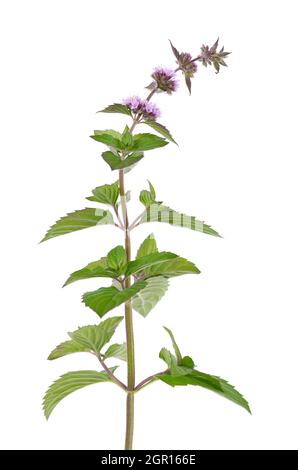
[128, 326]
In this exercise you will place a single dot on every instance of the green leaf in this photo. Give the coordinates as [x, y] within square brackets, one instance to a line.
[147, 298]
[105, 299]
[160, 213]
[117, 259]
[148, 247]
[210, 382]
[152, 190]
[187, 361]
[95, 269]
[78, 220]
[188, 83]
[65, 348]
[116, 163]
[109, 137]
[127, 138]
[70, 382]
[116, 108]
[164, 263]
[106, 194]
[116, 350]
[94, 337]
[146, 261]
[160, 129]
[175, 346]
[147, 142]
[174, 368]
[146, 198]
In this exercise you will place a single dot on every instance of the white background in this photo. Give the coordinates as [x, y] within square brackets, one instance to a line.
[235, 167]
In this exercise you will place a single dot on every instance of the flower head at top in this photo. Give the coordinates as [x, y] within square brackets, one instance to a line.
[164, 80]
[210, 55]
[144, 108]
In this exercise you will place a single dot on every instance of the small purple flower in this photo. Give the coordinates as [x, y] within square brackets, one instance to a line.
[188, 67]
[150, 110]
[165, 79]
[134, 103]
[142, 107]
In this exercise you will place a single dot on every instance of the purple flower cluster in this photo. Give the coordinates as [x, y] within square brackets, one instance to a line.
[188, 67]
[143, 107]
[165, 79]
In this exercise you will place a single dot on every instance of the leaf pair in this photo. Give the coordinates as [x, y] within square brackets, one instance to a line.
[91, 338]
[127, 142]
[181, 372]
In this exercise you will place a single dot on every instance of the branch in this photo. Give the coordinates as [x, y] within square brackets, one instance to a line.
[149, 380]
[110, 374]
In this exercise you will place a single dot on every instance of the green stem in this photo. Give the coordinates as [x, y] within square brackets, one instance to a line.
[129, 420]
[128, 327]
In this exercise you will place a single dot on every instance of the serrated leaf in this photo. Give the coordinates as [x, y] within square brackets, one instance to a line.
[94, 337]
[148, 297]
[65, 348]
[117, 259]
[211, 382]
[160, 128]
[95, 269]
[160, 213]
[146, 261]
[164, 263]
[175, 346]
[147, 247]
[105, 299]
[106, 194]
[70, 382]
[116, 108]
[147, 142]
[116, 163]
[78, 220]
[116, 350]
[108, 137]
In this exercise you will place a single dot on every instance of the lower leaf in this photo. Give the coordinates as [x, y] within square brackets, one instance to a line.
[211, 382]
[70, 382]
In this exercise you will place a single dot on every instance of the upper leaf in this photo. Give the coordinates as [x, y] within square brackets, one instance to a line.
[160, 128]
[117, 259]
[105, 299]
[127, 138]
[146, 261]
[116, 163]
[106, 194]
[164, 263]
[148, 297]
[160, 213]
[94, 337]
[211, 382]
[116, 108]
[84, 218]
[109, 137]
[148, 247]
[95, 269]
[88, 338]
[70, 382]
[116, 350]
[147, 142]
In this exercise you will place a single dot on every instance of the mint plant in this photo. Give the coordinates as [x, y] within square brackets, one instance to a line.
[137, 283]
